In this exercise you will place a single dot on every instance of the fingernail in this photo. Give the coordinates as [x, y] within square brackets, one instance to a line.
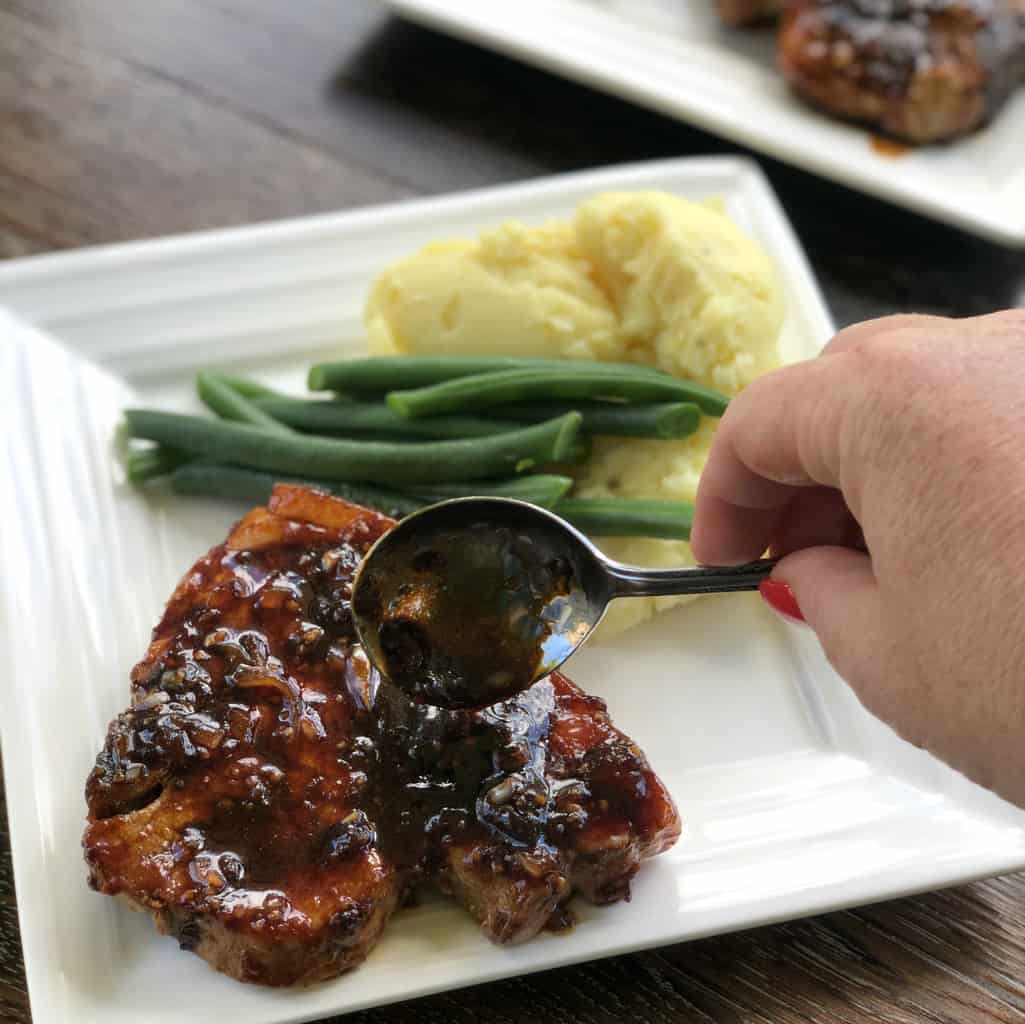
[780, 598]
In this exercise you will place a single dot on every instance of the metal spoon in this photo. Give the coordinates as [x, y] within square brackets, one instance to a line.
[468, 602]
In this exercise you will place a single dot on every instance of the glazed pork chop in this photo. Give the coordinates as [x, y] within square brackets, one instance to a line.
[919, 70]
[271, 801]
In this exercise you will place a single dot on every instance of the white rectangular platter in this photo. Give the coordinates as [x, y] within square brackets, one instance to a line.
[795, 800]
[675, 57]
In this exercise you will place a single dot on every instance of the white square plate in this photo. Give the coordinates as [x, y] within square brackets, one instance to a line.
[675, 57]
[794, 799]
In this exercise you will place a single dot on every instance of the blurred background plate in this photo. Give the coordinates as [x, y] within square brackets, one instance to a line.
[675, 57]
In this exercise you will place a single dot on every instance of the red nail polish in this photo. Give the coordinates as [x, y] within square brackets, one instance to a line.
[780, 598]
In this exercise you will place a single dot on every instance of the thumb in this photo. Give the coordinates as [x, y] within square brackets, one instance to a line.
[837, 593]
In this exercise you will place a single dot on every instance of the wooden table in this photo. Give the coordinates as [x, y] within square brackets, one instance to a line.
[124, 121]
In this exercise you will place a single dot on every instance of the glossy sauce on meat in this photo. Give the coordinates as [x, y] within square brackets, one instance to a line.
[896, 37]
[919, 70]
[271, 799]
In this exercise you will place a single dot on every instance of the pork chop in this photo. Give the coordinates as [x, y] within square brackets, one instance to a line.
[271, 801]
[919, 70]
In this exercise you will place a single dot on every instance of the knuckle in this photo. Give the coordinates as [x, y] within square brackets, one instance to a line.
[892, 352]
[899, 368]
[855, 334]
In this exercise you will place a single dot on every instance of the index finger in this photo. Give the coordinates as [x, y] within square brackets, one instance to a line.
[784, 432]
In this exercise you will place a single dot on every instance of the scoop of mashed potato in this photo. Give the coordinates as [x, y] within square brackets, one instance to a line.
[635, 276]
[693, 294]
[641, 277]
[513, 291]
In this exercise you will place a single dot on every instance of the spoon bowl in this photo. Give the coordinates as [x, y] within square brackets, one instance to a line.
[467, 602]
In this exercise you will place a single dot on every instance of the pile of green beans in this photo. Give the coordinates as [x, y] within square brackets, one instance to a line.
[425, 429]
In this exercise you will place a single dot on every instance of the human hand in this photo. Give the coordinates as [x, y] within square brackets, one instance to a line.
[905, 439]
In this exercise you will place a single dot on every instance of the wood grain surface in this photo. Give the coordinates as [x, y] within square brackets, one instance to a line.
[125, 121]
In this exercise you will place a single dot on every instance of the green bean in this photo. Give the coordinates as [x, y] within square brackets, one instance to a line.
[666, 420]
[603, 517]
[374, 461]
[144, 464]
[388, 373]
[327, 417]
[222, 398]
[254, 486]
[246, 386]
[537, 488]
[626, 517]
[487, 390]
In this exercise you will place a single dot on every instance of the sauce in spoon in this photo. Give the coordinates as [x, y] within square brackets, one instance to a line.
[468, 616]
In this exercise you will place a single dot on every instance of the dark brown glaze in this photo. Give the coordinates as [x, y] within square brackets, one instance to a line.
[270, 800]
[918, 70]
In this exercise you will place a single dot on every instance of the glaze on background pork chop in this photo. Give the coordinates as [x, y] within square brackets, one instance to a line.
[271, 801]
[924, 71]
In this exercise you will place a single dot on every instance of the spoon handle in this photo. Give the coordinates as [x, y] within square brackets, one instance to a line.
[631, 581]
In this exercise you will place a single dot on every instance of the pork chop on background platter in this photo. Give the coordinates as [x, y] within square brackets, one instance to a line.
[923, 71]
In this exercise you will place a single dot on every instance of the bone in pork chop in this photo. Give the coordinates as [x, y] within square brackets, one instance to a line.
[270, 801]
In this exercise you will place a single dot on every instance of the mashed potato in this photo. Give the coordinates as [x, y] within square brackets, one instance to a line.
[635, 276]
[693, 294]
[642, 277]
[514, 291]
